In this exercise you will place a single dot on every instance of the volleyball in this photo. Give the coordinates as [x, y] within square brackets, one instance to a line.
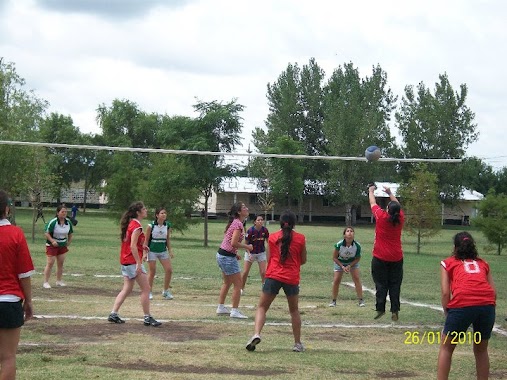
[372, 153]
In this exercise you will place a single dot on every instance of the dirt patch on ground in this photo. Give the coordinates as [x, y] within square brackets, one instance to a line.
[72, 291]
[396, 375]
[97, 331]
[46, 349]
[498, 375]
[143, 365]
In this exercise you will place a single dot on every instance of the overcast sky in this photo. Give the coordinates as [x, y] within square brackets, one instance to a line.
[163, 55]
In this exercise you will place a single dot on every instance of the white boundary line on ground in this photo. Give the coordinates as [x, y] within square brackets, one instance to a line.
[496, 328]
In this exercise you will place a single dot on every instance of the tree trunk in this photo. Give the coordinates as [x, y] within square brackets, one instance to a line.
[418, 241]
[85, 194]
[34, 219]
[348, 214]
[206, 220]
[301, 213]
[499, 250]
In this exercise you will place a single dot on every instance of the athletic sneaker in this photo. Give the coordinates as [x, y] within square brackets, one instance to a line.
[60, 283]
[115, 318]
[237, 314]
[394, 316]
[222, 310]
[332, 304]
[167, 295]
[298, 347]
[361, 303]
[379, 314]
[254, 341]
[46, 285]
[151, 295]
[150, 321]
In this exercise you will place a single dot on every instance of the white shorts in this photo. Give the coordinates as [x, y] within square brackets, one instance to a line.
[153, 256]
[251, 257]
[130, 270]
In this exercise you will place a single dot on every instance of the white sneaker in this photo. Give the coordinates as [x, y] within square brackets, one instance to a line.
[298, 347]
[151, 296]
[254, 341]
[60, 283]
[237, 314]
[46, 285]
[332, 304]
[167, 295]
[361, 303]
[222, 310]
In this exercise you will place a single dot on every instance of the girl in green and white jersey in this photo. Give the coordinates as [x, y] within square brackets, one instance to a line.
[158, 241]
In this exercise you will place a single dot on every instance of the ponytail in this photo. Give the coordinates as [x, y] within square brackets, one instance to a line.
[287, 223]
[393, 209]
[464, 246]
[127, 216]
[234, 213]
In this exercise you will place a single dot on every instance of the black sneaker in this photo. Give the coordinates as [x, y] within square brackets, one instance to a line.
[150, 321]
[115, 318]
[379, 314]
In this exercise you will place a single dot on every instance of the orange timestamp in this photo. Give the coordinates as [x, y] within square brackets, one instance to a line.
[436, 337]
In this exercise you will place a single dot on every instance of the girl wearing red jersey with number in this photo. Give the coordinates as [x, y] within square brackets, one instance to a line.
[15, 288]
[387, 261]
[468, 298]
[131, 260]
[286, 253]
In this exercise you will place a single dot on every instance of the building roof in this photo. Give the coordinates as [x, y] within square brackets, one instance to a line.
[251, 185]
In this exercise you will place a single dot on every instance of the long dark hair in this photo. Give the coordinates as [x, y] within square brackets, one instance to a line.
[287, 223]
[393, 209]
[4, 202]
[234, 213]
[464, 246]
[128, 215]
[157, 211]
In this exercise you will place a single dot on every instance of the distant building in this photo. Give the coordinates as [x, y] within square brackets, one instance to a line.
[319, 208]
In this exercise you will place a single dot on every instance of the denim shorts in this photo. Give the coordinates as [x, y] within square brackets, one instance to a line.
[273, 287]
[130, 270]
[12, 315]
[252, 257]
[338, 268]
[228, 264]
[482, 318]
[153, 256]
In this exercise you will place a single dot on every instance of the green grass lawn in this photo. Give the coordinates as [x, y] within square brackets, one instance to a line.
[72, 339]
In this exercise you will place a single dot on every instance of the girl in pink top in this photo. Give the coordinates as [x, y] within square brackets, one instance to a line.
[227, 259]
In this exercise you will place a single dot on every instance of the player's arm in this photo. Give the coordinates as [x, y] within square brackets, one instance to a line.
[303, 254]
[445, 288]
[388, 191]
[148, 233]
[133, 245]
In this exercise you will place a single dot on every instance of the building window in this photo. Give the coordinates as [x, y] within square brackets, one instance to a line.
[254, 199]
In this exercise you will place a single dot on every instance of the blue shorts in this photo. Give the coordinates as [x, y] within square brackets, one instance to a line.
[338, 268]
[228, 264]
[130, 271]
[481, 317]
[153, 256]
[273, 287]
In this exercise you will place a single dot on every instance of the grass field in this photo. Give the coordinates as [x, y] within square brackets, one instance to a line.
[71, 338]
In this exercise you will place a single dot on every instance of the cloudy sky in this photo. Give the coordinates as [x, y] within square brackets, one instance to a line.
[165, 54]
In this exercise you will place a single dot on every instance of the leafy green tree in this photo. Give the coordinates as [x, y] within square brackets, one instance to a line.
[501, 181]
[217, 129]
[477, 175]
[64, 163]
[422, 205]
[437, 125]
[357, 114]
[21, 113]
[492, 219]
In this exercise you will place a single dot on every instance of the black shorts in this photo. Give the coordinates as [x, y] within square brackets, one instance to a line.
[12, 314]
[273, 287]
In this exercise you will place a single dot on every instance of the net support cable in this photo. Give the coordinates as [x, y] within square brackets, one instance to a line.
[209, 153]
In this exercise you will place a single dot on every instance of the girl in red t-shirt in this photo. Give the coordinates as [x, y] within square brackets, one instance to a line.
[15, 288]
[286, 253]
[131, 260]
[468, 298]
